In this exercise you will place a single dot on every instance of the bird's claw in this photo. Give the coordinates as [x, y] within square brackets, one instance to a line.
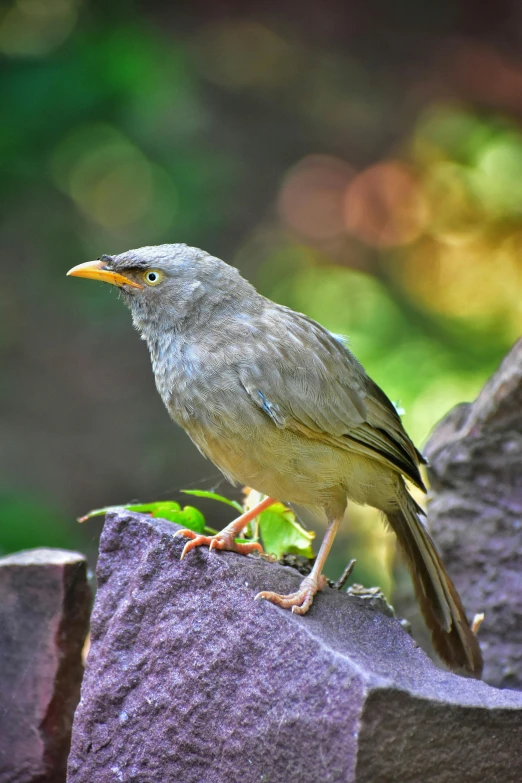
[214, 544]
[223, 540]
[300, 601]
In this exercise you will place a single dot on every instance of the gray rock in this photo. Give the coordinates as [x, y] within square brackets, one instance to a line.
[475, 513]
[189, 680]
[44, 617]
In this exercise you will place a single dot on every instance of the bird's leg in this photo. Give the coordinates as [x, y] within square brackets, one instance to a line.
[225, 539]
[301, 601]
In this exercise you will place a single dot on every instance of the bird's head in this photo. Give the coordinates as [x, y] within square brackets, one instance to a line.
[164, 285]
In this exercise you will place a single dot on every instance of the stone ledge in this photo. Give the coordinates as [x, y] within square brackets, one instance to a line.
[475, 512]
[44, 617]
[189, 680]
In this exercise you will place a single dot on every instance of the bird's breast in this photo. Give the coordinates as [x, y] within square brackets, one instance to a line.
[203, 394]
[244, 443]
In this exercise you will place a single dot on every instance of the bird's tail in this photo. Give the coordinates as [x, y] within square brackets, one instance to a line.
[439, 601]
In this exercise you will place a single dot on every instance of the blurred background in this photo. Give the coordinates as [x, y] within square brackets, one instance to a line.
[358, 161]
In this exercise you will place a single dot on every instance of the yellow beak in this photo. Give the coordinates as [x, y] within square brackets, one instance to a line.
[95, 270]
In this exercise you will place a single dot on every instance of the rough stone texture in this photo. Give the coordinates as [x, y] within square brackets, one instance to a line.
[44, 616]
[189, 680]
[475, 513]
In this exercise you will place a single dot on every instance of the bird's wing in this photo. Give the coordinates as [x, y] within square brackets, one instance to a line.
[306, 380]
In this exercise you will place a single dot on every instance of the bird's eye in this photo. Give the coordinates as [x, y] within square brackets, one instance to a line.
[153, 277]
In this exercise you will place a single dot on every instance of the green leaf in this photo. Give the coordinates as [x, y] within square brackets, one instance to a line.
[282, 534]
[189, 516]
[280, 531]
[156, 509]
[202, 493]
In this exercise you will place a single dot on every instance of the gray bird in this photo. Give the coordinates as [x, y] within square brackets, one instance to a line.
[280, 404]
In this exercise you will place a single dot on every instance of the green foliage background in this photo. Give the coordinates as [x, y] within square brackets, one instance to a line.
[361, 164]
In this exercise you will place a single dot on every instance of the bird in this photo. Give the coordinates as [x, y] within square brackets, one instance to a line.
[280, 404]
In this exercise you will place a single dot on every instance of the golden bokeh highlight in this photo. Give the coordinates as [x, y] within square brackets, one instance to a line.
[467, 265]
[456, 217]
[479, 282]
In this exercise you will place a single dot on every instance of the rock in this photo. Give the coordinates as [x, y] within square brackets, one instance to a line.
[44, 617]
[189, 680]
[475, 513]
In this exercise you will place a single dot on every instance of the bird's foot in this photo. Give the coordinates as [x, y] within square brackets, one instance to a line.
[300, 601]
[222, 540]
